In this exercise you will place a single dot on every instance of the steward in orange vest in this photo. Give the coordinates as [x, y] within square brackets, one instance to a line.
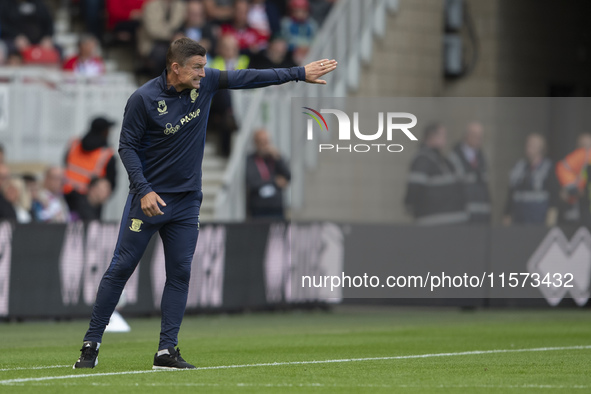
[573, 174]
[89, 158]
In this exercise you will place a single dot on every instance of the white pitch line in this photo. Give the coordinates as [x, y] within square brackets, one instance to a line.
[29, 368]
[342, 360]
[301, 385]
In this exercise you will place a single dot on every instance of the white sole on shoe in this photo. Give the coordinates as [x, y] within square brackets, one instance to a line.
[95, 364]
[170, 368]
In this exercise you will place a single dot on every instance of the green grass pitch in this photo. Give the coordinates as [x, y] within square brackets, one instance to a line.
[348, 350]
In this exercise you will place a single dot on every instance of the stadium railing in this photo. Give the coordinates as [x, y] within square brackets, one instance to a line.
[347, 36]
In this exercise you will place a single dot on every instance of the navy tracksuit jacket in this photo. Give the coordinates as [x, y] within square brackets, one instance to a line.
[161, 146]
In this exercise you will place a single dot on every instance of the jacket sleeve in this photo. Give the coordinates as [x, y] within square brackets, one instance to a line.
[249, 79]
[283, 169]
[418, 178]
[253, 178]
[553, 188]
[132, 131]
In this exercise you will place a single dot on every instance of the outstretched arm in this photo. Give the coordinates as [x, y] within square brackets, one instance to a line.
[248, 79]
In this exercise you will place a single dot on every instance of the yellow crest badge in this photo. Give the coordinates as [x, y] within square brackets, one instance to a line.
[136, 225]
[194, 95]
[162, 108]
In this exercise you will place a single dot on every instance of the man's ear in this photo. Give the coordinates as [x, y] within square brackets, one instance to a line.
[175, 68]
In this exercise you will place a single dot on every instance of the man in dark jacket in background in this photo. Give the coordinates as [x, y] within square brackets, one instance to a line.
[471, 167]
[266, 177]
[533, 187]
[434, 195]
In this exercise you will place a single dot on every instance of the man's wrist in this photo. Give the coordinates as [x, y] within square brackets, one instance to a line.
[301, 71]
[145, 191]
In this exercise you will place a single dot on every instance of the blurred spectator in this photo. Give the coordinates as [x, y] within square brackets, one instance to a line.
[7, 211]
[249, 39]
[50, 206]
[89, 207]
[196, 26]
[88, 158]
[86, 62]
[27, 27]
[264, 17]
[533, 188]
[219, 11]
[15, 59]
[299, 29]
[319, 9]
[267, 175]
[275, 56]
[470, 165]
[229, 57]
[94, 17]
[124, 18]
[31, 188]
[14, 193]
[3, 51]
[25, 23]
[572, 174]
[434, 194]
[2, 159]
[570, 211]
[161, 19]
[221, 113]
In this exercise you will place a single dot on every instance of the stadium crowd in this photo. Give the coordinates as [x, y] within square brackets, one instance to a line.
[274, 32]
[447, 189]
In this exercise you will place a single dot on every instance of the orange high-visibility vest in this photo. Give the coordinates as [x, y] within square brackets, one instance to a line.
[572, 170]
[82, 166]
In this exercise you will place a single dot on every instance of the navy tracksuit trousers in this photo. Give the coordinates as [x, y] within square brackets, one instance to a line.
[179, 229]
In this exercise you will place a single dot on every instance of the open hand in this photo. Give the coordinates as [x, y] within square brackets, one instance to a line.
[317, 69]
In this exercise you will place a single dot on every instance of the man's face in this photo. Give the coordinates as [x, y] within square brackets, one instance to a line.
[439, 139]
[534, 147]
[87, 48]
[194, 14]
[54, 180]
[228, 47]
[4, 174]
[241, 14]
[261, 141]
[474, 136]
[191, 73]
[300, 14]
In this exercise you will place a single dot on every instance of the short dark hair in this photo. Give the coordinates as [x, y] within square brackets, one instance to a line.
[181, 50]
[431, 130]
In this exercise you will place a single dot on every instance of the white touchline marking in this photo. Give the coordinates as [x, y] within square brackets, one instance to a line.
[28, 368]
[277, 385]
[342, 360]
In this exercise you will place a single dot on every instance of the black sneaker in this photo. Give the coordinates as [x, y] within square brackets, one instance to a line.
[173, 360]
[89, 356]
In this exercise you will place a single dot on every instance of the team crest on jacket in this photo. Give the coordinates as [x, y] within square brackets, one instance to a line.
[194, 95]
[162, 108]
[136, 225]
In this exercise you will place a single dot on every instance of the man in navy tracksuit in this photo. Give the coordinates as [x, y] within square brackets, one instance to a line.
[161, 145]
